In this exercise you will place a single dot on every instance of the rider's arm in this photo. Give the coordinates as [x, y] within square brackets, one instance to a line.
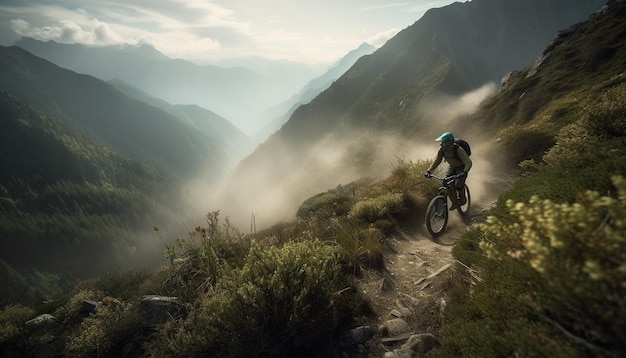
[465, 159]
[437, 161]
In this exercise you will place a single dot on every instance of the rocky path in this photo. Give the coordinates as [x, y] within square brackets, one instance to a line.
[409, 297]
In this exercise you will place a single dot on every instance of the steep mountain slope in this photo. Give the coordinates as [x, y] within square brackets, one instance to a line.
[538, 100]
[544, 274]
[237, 94]
[129, 126]
[406, 89]
[283, 111]
[67, 203]
[221, 133]
[450, 51]
[87, 172]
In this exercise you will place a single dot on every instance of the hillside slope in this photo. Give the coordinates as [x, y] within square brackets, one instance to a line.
[393, 102]
[238, 94]
[69, 204]
[88, 172]
[540, 274]
[126, 125]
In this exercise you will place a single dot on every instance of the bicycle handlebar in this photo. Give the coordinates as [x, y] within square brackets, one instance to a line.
[445, 178]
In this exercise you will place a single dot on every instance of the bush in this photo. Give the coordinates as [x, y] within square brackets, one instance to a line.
[521, 143]
[548, 275]
[325, 205]
[283, 302]
[605, 116]
[382, 207]
[578, 252]
[115, 330]
[15, 340]
[198, 262]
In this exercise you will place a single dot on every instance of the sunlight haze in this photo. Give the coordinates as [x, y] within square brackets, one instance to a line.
[309, 32]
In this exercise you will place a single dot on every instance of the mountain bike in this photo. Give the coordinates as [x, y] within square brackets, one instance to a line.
[437, 211]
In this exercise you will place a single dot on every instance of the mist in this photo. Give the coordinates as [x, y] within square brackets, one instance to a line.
[262, 196]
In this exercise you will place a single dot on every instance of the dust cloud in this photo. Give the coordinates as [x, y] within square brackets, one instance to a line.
[270, 190]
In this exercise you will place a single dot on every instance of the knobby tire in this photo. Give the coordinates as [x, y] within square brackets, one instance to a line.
[437, 216]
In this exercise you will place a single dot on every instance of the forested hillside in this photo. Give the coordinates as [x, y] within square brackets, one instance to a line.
[87, 172]
[70, 206]
[131, 127]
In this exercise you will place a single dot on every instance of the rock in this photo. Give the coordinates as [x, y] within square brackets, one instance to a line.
[421, 343]
[110, 301]
[400, 311]
[158, 309]
[400, 353]
[89, 307]
[361, 334]
[42, 320]
[416, 345]
[396, 327]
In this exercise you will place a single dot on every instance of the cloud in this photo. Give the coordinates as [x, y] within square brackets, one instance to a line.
[380, 38]
[305, 31]
[67, 31]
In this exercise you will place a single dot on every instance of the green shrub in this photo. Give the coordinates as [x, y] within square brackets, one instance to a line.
[407, 176]
[578, 251]
[605, 116]
[121, 285]
[548, 275]
[360, 247]
[72, 310]
[198, 262]
[284, 301]
[381, 207]
[15, 340]
[522, 143]
[325, 205]
[115, 330]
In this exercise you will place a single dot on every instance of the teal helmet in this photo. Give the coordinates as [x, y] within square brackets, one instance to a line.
[446, 137]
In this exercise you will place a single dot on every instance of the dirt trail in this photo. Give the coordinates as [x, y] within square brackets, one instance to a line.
[414, 284]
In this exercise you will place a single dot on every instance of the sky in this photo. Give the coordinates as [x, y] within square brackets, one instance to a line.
[203, 31]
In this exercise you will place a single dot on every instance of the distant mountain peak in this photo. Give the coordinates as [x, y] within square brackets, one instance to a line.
[142, 50]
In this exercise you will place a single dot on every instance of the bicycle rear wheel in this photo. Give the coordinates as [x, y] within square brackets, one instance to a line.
[437, 215]
[463, 209]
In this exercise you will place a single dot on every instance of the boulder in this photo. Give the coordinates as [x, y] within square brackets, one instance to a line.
[158, 309]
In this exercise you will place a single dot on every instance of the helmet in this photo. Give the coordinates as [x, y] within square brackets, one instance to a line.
[446, 137]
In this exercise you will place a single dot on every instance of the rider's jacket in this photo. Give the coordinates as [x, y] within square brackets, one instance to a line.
[463, 159]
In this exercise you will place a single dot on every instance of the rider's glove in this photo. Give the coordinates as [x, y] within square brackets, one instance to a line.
[428, 174]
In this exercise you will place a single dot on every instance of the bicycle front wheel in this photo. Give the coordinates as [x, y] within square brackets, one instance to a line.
[437, 216]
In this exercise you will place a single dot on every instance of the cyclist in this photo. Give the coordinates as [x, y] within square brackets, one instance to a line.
[460, 164]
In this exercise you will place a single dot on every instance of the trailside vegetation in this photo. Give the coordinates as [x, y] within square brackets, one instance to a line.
[544, 274]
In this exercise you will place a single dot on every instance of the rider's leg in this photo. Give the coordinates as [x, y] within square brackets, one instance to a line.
[456, 199]
[460, 187]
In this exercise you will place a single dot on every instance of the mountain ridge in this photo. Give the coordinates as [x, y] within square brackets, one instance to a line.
[128, 125]
[388, 92]
[236, 93]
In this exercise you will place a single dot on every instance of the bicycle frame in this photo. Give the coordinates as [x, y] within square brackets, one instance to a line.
[447, 183]
[437, 210]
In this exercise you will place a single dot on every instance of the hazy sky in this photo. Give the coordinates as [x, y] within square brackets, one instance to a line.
[310, 31]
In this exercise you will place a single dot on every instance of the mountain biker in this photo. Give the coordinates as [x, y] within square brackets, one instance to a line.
[460, 164]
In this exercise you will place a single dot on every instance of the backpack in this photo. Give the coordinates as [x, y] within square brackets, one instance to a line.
[462, 143]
